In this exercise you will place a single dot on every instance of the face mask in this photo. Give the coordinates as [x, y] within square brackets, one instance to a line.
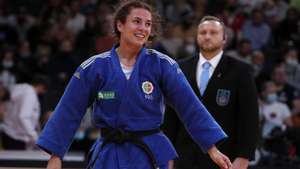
[7, 64]
[292, 62]
[271, 98]
[190, 48]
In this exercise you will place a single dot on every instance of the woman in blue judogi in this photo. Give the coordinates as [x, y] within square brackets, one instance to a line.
[128, 87]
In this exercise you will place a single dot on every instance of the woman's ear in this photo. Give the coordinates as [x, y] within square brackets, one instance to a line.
[119, 26]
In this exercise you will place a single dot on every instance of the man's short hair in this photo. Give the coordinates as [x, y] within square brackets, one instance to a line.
[212, 18]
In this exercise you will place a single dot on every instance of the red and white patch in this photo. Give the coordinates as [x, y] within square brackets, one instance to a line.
[147, 87]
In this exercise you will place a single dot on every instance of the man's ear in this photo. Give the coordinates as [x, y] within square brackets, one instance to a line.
[225, 36]
[224, 39]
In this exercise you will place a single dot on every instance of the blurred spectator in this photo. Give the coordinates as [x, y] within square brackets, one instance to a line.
[188, 47]
[76, 20]
[62, 66]
[285, 92]
[51, 11]
[106, 40]
[256, 30]
[8, 68]
[22, 22]
[292, 67]
[59, 32]
[242, 52]
[249, 5]
[293, 135]
[275, 11]
[27, 63]
[296, 106]
[159, 6]
[170, 42]
[273, 113]
[177, 11]
[85, 40]
[3, 13]
[87, 6]
[199, 9]
[4, 97]
[43, 54]
[21, 118]
[289, 28]
[261, 71]
[257, 61]
[235, 16]
[8, 35]
[36, 33]
[214, 7]
[277, 125]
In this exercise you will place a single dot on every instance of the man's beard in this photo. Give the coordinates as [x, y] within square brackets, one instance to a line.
[211, 49]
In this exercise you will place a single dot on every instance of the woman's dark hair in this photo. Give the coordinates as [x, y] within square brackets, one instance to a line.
[125, 7]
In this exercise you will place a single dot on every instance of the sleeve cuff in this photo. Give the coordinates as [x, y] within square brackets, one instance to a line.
[217, 139]
[51, 148]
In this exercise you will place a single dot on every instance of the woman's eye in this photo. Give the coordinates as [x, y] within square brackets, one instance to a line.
[148, 24]
[136, 21]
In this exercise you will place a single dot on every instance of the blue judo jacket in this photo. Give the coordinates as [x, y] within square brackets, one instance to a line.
[133, 104]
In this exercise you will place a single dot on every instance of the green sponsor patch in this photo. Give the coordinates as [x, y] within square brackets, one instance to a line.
[106, 95]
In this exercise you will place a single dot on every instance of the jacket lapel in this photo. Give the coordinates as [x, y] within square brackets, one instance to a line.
[193, 75]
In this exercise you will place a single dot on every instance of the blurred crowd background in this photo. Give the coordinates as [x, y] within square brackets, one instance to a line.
[51, 38]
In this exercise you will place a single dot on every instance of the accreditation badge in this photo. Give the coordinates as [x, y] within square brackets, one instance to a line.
[222, 97]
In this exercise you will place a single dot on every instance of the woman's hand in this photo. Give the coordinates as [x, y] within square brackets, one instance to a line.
[54, 163]
[171, 164]
[219, 158]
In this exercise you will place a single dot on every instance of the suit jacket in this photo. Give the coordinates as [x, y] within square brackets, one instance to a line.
[231, 98]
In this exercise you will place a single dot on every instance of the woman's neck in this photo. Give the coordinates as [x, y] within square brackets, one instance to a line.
[127, 54]
[127, 57]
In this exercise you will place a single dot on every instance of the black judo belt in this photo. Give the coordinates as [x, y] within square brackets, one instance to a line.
[118, 136]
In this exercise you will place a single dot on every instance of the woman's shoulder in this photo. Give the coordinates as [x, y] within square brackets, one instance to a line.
[95, 59]
[160, 56]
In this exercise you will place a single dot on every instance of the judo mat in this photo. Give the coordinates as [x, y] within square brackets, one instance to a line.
[37, 159]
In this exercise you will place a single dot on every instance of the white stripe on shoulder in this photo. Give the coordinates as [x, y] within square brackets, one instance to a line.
[162, 56]
[89, 61]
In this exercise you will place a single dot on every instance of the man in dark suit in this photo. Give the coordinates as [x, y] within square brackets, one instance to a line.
[226, 87]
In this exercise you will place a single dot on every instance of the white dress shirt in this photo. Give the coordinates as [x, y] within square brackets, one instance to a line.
[213, 62]
[21, 118]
